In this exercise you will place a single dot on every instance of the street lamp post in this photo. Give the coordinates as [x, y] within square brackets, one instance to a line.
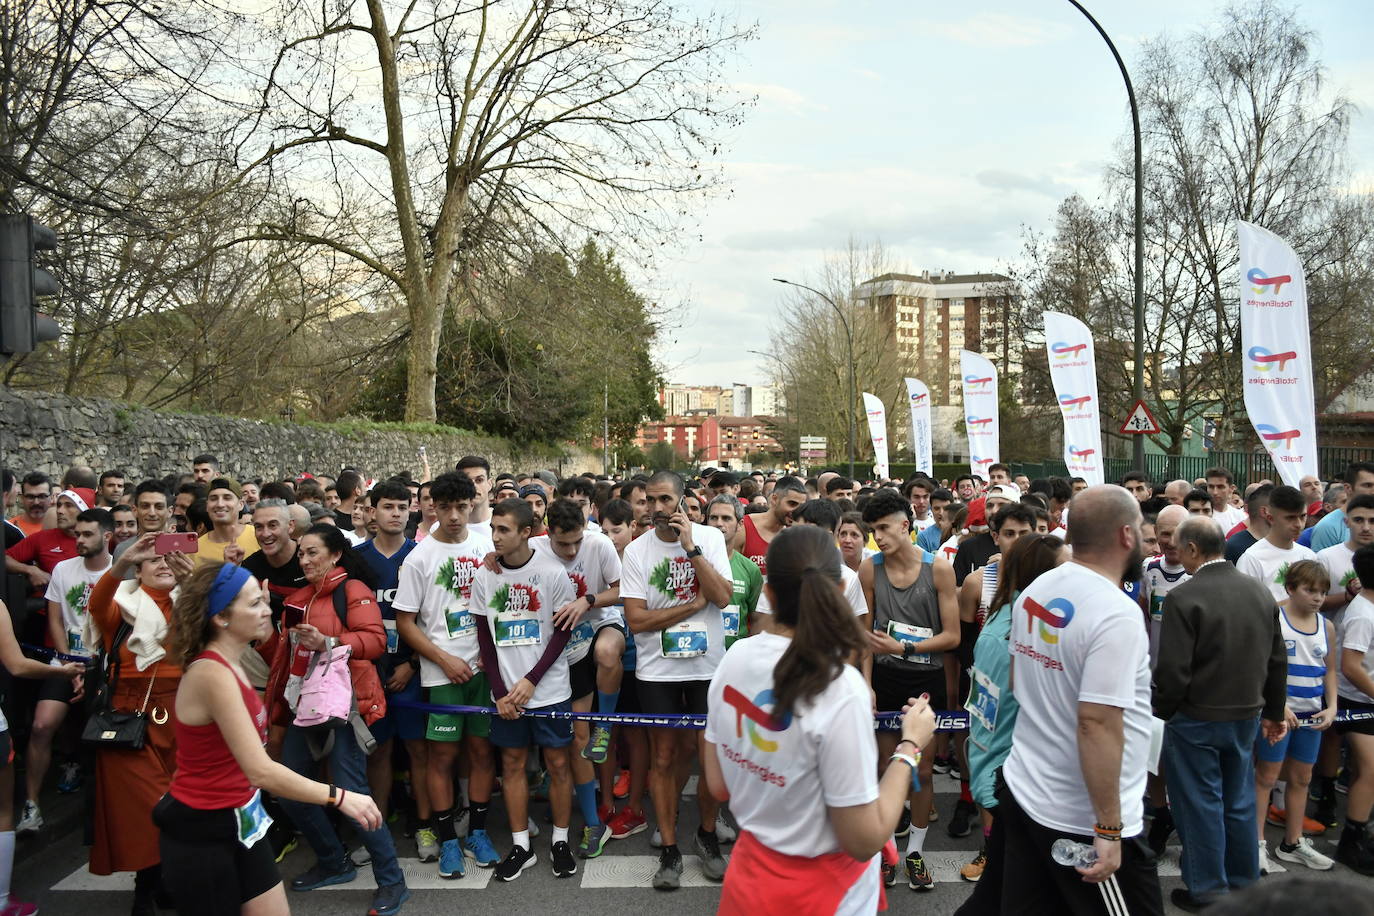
[1138, 444]
[849, 341]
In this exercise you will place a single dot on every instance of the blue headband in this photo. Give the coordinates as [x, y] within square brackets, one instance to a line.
[229, 581]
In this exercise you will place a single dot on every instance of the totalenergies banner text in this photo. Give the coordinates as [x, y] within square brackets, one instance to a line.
[877, 430]
[918, 398]
[980, 411]
[1073, 370]
[1277, 351]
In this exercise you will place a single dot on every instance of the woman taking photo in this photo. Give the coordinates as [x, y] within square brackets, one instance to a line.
[992, 708]
[216, 856]
[790, 744]
[128, 783]
[316, 622]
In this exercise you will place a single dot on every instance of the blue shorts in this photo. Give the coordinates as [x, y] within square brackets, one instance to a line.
[1300, 744]
[406, 724]
[527, 730]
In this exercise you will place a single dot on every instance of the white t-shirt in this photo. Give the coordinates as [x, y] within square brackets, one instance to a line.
[1076, 638]
[1160, 578]
[595, 568]
[517, 606]
[1356, 631]
[853, 594]
[782, 780]
[435, 585]
[1339, 561]
[69, 587]
[921, 524]
[950, 548]
[1269, 564]
[659, 573]
[481, 529]
[1229, 518]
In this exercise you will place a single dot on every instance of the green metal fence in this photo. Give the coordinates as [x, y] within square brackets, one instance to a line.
[1245, 467]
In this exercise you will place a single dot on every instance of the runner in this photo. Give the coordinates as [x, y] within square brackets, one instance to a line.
[724, 514]
[761, 527]
[1268, 560]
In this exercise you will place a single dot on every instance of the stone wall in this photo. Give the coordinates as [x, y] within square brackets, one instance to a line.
[48, 432]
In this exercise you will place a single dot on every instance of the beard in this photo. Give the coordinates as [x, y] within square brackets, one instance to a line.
[1131, 572]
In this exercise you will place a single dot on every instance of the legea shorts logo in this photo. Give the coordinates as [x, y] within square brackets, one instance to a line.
[977, 424]
[981, 384]
[1264, 360]
[1069, 403]
[1274, 437]
[1055, 614]
[753, 712]
[1062, 350]
[1262, 283]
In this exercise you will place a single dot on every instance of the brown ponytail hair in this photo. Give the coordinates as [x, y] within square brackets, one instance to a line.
[804, 575]
[1030, 557]
[191, 629]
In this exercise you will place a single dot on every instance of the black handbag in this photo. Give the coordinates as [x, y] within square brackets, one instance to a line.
[107, 727]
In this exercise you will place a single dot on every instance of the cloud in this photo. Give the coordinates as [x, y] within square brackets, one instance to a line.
[1002, 180]
[995, 30]
[779, 98]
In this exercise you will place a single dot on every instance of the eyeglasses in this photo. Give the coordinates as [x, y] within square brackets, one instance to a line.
[36, 496]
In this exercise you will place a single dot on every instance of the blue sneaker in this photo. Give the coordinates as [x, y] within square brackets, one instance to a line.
[322, 875]
[451, 863]
[478, 845]
[387, 901]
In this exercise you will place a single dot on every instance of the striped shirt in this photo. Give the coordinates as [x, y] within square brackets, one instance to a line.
[1307, 652]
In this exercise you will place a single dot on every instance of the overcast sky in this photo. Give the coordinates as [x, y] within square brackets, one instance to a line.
[940, 129]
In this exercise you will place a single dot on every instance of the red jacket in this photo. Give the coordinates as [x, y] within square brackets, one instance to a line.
[365, 635]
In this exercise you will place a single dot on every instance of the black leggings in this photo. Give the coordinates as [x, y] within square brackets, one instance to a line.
[204, 863]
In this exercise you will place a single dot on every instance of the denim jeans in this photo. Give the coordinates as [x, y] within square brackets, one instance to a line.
[1210, 771]
[348, 770]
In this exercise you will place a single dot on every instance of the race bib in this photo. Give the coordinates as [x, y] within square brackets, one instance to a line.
[517, 628]
[906, 634]
[75, 644]
[1157, 607]
[581, 638]
[729, 621]
[253, 821]
[459, 622]
[392, 639]
[983, 700]
[685, 640]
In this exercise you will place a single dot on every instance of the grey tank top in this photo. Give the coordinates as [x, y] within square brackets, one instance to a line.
[908, 613]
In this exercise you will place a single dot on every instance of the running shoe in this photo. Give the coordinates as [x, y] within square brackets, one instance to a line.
[532, 827]
[479, 846]
[725, 834]
[656, 841]
[961, 824]
[594, 840]
[388, 900]
[1161, 828]
[956, 769]
[889, 875]
[427, 844]
[934, 813]
[669, 874]
[1266, 864]
[917, 875]
[1304, 853]
[322, 875]
[360, 856]
[942, 765]
[564, 865]
[70, 779]
[974, 870]
[284, 842]
[31, 821]
[626, 824]
[1354, 852]
[451, 864]
[1325, 812]
[539, 787]
[1278, 818]
[621, 789]
[517, 860]
[712, 862]
[19, 908]
[903, 824]
[597, 744]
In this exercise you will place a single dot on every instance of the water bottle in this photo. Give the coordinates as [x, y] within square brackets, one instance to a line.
[1072, 854]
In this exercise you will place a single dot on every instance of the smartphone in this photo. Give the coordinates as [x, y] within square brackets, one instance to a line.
[292, 617]
[176, 542]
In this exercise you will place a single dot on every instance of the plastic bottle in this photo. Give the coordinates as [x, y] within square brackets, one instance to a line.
[1073, 854]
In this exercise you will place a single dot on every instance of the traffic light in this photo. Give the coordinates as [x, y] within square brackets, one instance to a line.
[22, 327]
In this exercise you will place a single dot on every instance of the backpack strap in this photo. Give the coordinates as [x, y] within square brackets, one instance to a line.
[340, 597]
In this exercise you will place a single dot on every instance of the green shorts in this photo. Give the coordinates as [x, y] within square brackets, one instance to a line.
[453, 726]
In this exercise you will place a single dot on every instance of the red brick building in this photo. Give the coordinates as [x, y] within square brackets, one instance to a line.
[710, 440]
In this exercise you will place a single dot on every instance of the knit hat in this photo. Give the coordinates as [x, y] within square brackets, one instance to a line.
[83, 497]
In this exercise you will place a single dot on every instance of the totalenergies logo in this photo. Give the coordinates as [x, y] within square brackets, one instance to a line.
[1274, 437]
[1055, 614]
[1081, 454]
[1069, 403]
[974, 382]
[980, 461]
[1264, 360]
[1261, 283]
[1062, 350]
[755, 714]
[977, 423]
[919, 398]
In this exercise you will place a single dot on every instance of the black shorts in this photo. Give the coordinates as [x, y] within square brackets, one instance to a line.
[673, 698]
[895, 686]
[582, 676]
[55, 688]
[629, 694]
[205, 867]
[1359, 726]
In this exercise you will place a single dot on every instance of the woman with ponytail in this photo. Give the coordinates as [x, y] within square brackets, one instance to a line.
[213, 839]
[790, 744]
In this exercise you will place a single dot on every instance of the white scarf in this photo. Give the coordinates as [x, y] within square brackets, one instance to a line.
[139, 610]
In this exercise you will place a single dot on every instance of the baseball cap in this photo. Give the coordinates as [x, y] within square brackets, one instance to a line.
[1008, 491]
[224, 482]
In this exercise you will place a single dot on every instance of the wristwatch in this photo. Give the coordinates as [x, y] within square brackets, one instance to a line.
[694, 553]
[907, 648]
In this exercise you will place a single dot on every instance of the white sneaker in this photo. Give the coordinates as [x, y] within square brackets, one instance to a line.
[360, 856]
[533, 828]
[1305, 854]
[656, 841]
[32, 821]
[1266, 864]
[724, 832]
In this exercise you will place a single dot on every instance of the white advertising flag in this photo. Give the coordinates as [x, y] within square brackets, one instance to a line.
[1073, 370]
[980, 411]
[918, 397]
[1277, 351]
[877, 428]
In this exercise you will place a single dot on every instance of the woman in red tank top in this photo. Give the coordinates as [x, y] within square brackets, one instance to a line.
[213, 828]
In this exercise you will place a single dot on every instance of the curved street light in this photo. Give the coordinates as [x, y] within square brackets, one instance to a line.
[849, 341]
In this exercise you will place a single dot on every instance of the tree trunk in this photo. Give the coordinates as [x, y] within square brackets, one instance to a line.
[426, 319]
